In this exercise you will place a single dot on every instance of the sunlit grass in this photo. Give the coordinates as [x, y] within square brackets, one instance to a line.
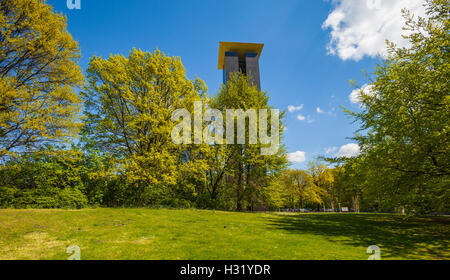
[123, 234]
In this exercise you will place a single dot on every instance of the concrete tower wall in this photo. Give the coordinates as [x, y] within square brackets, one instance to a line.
[231, 65]
[252, 64]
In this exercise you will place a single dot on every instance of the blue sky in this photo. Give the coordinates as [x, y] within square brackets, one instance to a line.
[296, 66]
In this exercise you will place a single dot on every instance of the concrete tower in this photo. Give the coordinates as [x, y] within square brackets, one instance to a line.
[244, 57]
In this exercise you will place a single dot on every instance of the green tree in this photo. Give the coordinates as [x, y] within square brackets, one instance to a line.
[38, 77]
[294, 189]
[324, 179]
[406, 115]
[242, 167]
[129, 106]
[301, 185]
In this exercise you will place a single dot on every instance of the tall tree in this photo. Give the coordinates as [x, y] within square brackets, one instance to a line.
[38, 76]
[243, 167]
[129, 106]
[406, 115]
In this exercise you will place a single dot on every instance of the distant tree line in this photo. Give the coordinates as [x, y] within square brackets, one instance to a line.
[104, 139]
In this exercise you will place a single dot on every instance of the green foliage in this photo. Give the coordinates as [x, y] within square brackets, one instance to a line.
[239, 172]
[38, 77]
[44, 179]
[129, 105]
[405, 120]
[312, 188]
[97, 173]
[56, 178]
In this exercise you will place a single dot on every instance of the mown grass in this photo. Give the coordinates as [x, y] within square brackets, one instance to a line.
[141, 234]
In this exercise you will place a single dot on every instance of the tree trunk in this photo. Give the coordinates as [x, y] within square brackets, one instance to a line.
[240, 188]
[356, 204]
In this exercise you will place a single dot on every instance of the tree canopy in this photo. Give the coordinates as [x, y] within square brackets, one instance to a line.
[405, 116]
[130, 101]
[39, 75]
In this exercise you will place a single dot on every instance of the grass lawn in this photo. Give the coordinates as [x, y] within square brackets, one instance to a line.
[123, 234]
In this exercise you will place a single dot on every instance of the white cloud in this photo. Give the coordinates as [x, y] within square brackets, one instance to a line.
[322, 112]
[308, 119]
[361, 27]
[349, 150]
[292, 108]
[355, 96]
[331, 150]
[297, 157]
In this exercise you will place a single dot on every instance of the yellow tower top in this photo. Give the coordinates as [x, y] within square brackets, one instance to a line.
[240, 48]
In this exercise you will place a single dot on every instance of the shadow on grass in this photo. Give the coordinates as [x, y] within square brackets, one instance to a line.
[398, 237]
